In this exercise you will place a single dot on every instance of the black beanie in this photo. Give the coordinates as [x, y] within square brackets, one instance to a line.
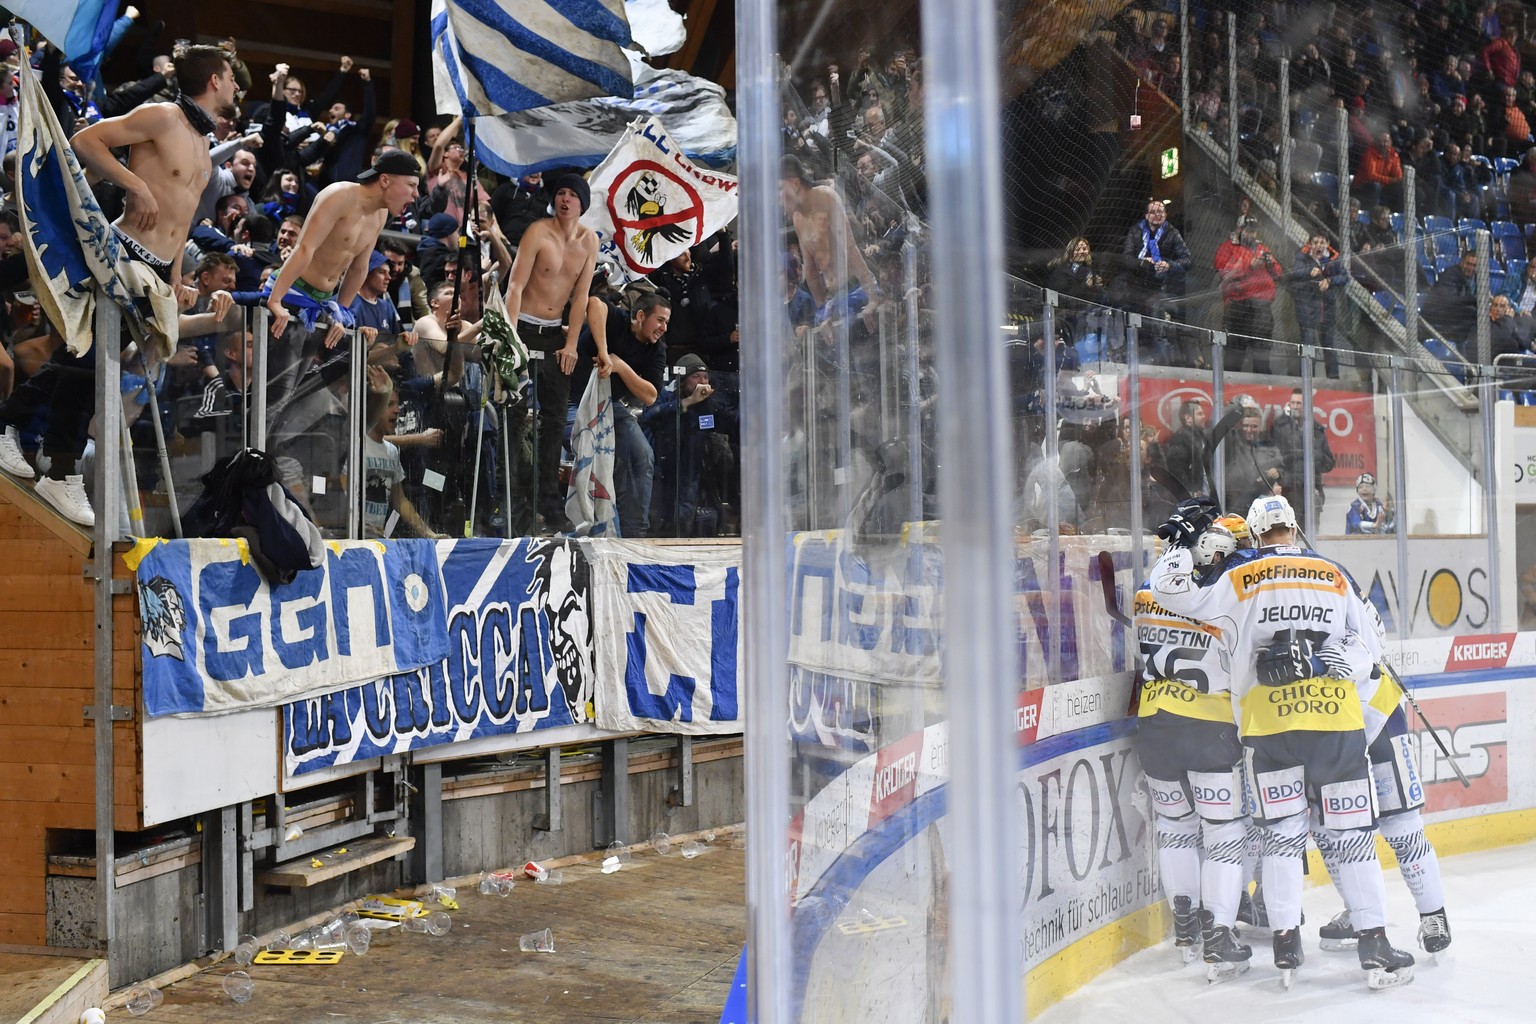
[576, 183]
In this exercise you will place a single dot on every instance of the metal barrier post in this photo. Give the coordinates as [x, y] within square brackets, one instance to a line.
[109, 481]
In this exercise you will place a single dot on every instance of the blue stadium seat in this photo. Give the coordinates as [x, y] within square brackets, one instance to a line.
[1329, 183]
[1506, 396]
[1397, 224]
[1089, 348]
[1495, 281]
[1503, 167]
[1384, 299]
[1444, 263]
[1514, 267]
[1510, 240]
[1445, 246]
[1525, 397]
[1400, 313]
[1448, 357]
[1433, 223]
[1363, 217]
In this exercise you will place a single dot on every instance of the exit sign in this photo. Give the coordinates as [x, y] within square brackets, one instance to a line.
[1169, 161]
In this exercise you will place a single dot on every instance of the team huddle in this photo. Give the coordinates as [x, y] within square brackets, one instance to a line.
[1265, 715]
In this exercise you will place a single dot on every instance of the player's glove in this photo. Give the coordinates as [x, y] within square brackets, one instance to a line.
[1188, 522]
[1287, 660]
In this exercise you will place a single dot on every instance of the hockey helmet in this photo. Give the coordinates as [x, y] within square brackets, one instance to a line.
[1268, 512]
[1216, 542]
[1365, 480]
[1237, 526]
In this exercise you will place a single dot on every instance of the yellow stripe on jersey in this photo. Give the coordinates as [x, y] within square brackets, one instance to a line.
[1314, 705]
[1179, 698]
[1278, 573]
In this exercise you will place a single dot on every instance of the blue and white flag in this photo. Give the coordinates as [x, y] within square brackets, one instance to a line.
[218, 638]
[668, 645]
[589, 505]
[71, 249]
[517, 54]
[579, 133]
[79, 28]
[519, 658]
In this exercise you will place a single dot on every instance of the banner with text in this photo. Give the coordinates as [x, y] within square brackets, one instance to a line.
[1348, 416]
[668, 644]
[217, 638]
[518, 657]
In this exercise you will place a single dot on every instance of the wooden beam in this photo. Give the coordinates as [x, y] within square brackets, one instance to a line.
[402, 44]
[300, 873]
[23, 497]
[700, 13]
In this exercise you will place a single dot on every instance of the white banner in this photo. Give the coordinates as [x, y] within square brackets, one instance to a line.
[650, 202]
[667, 642]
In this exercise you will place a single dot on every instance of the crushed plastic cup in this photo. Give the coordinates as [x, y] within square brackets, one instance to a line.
[542, 941]
[709, 837]
[143, 998]
[661, 843]
[238, 986]
[446, 895]
[279, 941]
[294, 832]
[551, 878]
[691, 849]
[436, 923]
[621, 852]
[245, 951]
[611, 864]
[535, 870]
[493, 884]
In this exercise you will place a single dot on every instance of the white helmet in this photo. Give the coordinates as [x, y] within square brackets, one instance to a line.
[1268, 512]
[1216, 541]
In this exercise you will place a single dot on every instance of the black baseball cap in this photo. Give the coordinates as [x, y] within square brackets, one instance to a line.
[391, 161]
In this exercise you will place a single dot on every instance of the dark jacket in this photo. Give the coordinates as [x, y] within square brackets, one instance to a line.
[1187, 457]
[1314, 306]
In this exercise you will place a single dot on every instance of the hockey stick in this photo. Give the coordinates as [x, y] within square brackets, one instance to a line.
[1219, 434]
[1391, 673]
[1112, 606]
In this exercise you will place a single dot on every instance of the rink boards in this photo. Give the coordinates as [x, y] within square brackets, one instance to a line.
[868, 851]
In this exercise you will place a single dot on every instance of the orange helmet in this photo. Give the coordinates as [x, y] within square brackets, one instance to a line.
[1238, 527]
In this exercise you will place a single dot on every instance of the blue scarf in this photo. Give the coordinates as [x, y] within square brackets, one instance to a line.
[1149, 240]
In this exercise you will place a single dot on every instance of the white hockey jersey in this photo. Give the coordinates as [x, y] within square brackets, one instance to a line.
[1184, 664]
[1261, 597]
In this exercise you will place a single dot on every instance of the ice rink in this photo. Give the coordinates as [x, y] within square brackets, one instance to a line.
[1488, 975]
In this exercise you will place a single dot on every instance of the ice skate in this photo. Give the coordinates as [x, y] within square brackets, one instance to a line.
[1186, 928]
[1434, 931]
[1288, 954]
[1384, 966]
[1338, 934]
[1251, 910]
[1225, 959]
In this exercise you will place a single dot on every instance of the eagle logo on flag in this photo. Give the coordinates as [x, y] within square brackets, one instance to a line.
[647, 203]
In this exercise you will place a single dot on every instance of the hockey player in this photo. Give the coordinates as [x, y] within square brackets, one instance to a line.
[1299, 656]
[1189, 751]
[1399, 795]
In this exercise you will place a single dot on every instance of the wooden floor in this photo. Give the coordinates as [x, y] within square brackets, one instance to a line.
[26, 981]
[656, 942]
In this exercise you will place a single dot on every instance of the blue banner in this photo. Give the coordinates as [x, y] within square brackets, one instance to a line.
[519, 657]
[217, 638]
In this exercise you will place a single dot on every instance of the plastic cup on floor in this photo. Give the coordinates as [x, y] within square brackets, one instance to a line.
[238, 986]
[542, 941]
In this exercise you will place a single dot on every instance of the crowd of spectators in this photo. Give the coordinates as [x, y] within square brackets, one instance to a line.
[1445, 88]
[418, 313]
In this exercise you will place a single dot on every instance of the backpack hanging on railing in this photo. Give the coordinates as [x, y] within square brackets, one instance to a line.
[242, 497]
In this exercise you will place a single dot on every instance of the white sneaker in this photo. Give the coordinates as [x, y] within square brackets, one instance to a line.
[68, 497]
[11, 458]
